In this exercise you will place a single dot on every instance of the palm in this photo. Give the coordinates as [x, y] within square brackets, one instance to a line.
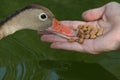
[105, 42]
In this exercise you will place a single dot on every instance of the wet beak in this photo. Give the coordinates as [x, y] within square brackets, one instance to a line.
[60, 28]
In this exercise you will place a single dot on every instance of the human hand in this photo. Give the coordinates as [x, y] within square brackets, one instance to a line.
[107, 16]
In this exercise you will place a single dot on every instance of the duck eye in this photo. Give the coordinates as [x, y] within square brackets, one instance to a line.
[43, 17]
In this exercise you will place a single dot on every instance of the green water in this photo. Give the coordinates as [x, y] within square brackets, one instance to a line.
[24, 57]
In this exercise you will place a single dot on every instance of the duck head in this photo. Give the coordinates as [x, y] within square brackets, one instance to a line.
[35, 17]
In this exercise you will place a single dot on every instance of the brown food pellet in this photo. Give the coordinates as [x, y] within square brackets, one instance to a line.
[80, 26]
[86, 26]
[81, 31]
[95, 30]
[84, 29]
[73, 39]
[87, 36]
[93, 36]
[76, 40]
[86, 32]
[81, 40]
[90, 28]
[92, 33]
[100, 32]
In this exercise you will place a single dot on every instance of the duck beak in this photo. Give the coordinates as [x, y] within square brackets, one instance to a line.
[60, 28]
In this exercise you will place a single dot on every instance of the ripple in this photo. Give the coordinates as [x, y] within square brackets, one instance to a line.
[19, 71]
[2, 72]
[50, 75]
[24, 71]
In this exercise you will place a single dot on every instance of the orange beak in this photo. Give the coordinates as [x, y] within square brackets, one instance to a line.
[61, 29]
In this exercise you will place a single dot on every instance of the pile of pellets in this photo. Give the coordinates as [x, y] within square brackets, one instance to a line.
[86, 32]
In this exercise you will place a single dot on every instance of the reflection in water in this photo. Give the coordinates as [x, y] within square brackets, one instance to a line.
[2, 72]
[50, 75]
[53, 76]
[33, 72]
[24, 71]
[54, 70]
[19, 71]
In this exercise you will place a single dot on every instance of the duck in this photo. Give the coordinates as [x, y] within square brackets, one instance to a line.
[34, 17]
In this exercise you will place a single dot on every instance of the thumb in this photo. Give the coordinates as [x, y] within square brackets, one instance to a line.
[93, 14]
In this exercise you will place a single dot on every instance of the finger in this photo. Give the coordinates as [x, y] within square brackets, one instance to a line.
[93, 14]
[113, 16]
[52, 38]
[68, 46]
[73, 23]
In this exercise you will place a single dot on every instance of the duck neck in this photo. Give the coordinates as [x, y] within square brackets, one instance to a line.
[10, 27]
